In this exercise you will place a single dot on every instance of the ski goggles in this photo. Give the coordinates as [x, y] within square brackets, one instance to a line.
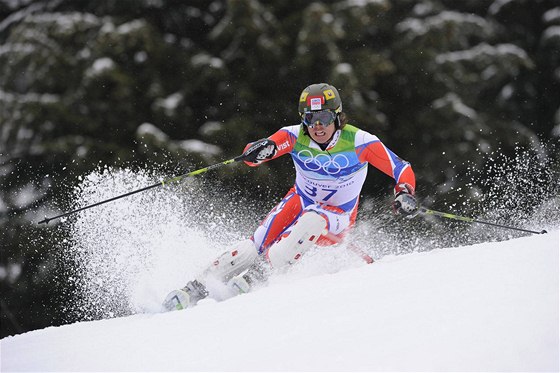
[325, 118]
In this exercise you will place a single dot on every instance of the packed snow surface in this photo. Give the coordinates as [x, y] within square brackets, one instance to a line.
[486, 307]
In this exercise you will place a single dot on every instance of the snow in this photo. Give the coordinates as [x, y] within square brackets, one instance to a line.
[457, 104]
[3, 207]
[10, 272]
[552, 15]
[26, 195]
[362, 3]
[170, 103]
[19, 15]
[556, 130]
[151, 130]
[16, 48]
[204, 59]
[201, 147]
[343, 68]
[65, 22]
[30, 97]
[481, 51]
[419, 27]
[497, 6]
[551, 34]
[131, 27]
[100, 66]
[140, 57]
[188, 145]
[486, 307]
[210, 128]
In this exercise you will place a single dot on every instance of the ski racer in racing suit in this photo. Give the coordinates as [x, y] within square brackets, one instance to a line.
[331, 160]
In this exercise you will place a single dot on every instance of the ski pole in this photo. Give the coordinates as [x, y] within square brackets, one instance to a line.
[352, 247]
[425, 211]
[161, 183]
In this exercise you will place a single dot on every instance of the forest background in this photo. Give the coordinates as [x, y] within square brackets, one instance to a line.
[461, 89]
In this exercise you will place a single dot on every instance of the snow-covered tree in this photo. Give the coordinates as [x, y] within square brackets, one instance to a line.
[175, 84]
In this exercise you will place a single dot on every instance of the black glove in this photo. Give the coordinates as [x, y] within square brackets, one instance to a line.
[260, 150]
[405, 203]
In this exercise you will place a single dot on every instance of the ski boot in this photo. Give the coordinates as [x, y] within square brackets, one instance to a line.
[257, 273]
[186, 297]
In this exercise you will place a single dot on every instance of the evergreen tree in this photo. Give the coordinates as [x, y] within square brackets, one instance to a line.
[176, 85]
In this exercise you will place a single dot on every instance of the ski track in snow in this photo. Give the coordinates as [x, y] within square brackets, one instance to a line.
[485, 307]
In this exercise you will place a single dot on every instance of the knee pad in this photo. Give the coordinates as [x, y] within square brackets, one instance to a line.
[304, 234]
[234, 261]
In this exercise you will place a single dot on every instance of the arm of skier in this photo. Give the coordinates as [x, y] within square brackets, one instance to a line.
[378, 155]
[276, 145]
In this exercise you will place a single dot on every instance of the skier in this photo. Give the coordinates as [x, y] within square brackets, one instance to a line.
[330, 157]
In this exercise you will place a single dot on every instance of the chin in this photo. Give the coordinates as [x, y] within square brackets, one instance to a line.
[319, 140]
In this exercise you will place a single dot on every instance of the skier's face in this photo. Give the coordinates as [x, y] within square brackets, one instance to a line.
[320, 133]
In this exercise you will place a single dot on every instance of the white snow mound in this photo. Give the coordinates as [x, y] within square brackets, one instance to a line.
[487, 307]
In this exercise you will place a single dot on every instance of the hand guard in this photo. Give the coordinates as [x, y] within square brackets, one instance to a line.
[405, 203]
[260, 151]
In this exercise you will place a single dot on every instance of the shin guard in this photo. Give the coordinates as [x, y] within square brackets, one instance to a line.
[304, 234]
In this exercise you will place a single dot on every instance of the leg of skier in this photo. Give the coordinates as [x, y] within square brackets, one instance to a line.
[282, 217]
[293, 243]
[281, 239]
[302, 235]
[233, 262]
[288, 240]
[315, 221]
[228, 265]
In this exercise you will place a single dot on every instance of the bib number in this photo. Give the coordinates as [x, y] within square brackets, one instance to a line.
[326, 194]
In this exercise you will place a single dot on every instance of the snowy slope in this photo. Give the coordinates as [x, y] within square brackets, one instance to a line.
[488, 307]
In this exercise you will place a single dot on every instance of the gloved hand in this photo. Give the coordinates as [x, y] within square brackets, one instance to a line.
[259, 151]
[405, 203]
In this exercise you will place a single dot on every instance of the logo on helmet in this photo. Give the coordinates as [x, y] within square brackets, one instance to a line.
[316, 103]
[329, 94]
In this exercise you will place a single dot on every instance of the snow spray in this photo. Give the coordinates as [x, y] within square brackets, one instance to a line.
[127, 255]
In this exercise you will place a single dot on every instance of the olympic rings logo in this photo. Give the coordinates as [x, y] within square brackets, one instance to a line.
[331, 166]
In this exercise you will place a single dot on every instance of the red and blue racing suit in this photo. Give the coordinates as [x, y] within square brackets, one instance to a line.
[328, 181]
